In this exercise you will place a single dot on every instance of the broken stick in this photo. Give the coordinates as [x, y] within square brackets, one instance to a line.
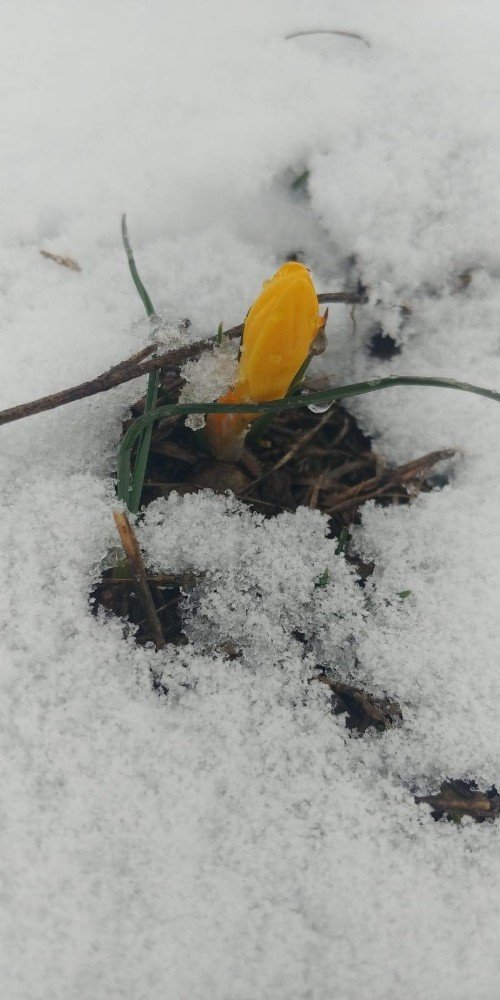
[138, 572]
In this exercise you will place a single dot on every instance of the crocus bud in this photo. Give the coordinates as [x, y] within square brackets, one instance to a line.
[279, 331]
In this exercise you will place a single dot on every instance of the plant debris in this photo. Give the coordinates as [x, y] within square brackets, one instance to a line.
[458, 798]
[68, 262]
[362, 710]
[138, 569]
[302, 459]
[121, 596]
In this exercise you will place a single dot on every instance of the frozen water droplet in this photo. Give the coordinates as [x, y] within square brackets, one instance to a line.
[320, 407]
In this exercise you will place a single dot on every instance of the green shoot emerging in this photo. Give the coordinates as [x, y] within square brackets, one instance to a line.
[139, 468]
[324, 578]
[325, 396]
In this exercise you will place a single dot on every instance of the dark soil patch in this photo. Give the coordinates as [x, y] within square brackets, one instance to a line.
[381, 345]
[119, 596]
[302, 459]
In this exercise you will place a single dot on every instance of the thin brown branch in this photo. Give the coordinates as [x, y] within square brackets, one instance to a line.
[315, 492]
[163, 607]
[138, 571]
[132, 368]
[380, 485]
[126, 371]
[135, 359]
[296, 446]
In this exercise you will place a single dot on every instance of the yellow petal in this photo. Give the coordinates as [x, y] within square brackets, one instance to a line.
[279, 330]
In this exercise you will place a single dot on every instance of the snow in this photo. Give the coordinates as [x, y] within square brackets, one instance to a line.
[245, 597]
[233, 839]
[209, 377]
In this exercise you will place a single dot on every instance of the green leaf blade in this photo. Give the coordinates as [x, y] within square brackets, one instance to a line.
[275, 406]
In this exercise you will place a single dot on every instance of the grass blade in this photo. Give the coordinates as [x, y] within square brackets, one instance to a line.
[141, 459]
[322, 397]
[146, 301]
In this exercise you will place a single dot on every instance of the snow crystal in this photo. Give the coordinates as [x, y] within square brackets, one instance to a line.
[260, 582]
[209, 377]
[168, 334]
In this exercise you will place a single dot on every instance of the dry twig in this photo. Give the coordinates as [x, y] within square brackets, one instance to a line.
[73, 265]
[126, 371]
[386, 481]
[138, 571]
[363, 709]
[296, 446]
[315, 492]
[135, 367]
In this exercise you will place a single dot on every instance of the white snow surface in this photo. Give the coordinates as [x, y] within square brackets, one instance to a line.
[233, 840]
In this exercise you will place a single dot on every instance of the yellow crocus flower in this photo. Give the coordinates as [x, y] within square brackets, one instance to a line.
[277, 337]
